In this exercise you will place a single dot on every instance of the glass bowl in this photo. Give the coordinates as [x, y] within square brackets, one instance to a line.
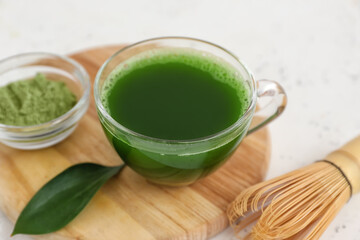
[54, 67]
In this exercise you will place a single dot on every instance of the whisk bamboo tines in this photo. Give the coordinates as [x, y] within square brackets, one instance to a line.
[300, 204]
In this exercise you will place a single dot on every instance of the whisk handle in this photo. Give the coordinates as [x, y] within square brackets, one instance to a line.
[347, 158]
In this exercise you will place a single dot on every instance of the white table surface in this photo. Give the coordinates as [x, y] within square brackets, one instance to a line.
[312, 47]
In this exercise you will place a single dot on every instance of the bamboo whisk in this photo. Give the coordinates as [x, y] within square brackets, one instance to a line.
[300, 204]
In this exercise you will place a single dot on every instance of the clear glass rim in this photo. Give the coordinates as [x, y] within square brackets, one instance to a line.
[106, 115]
[82, 101]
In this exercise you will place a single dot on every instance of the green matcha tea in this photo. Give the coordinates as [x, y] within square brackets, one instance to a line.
[174, 94]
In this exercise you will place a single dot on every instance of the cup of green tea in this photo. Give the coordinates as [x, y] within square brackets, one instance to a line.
[176, 108]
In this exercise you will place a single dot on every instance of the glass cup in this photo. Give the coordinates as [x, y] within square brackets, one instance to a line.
[179, 163]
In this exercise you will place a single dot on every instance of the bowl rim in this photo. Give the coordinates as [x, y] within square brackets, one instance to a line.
[80, 103]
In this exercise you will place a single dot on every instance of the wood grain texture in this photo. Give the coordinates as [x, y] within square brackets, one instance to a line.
[128, 207]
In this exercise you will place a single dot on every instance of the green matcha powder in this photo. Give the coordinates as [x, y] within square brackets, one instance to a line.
[34, 101]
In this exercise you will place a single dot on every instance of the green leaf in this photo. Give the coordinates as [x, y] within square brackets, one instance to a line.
[61, 199]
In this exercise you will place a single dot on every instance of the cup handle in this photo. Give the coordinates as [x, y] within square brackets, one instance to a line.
[273, 108]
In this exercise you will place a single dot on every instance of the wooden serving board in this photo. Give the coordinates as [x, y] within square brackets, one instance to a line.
[128, 207]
